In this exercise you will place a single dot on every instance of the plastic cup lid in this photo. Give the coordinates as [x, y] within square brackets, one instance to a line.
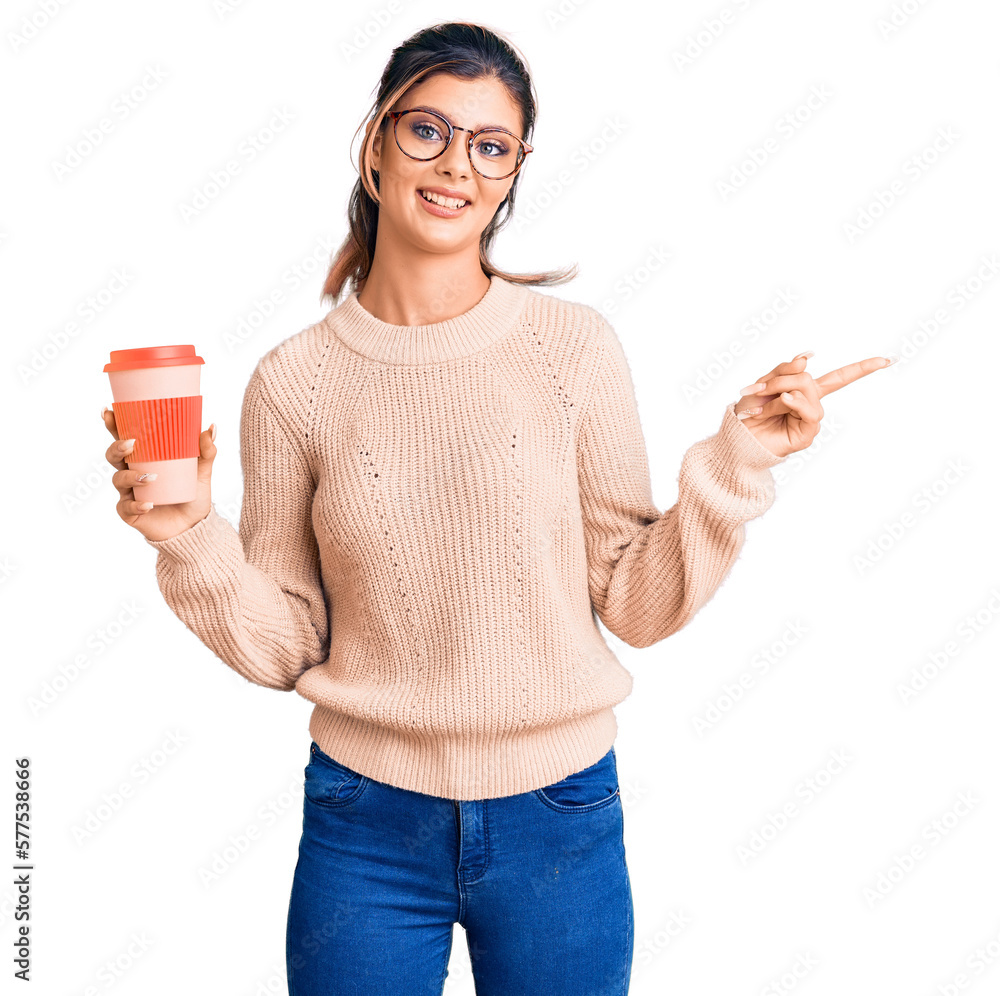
[151, 356]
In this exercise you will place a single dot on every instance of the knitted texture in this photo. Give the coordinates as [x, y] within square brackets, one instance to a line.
[433, 519]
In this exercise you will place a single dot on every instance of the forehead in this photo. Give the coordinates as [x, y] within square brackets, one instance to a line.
[471, 103]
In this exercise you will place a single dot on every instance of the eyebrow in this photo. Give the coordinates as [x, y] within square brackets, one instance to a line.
[437, 110]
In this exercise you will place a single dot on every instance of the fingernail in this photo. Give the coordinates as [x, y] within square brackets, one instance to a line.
[892, 358]
[213, 432]
[126, 444]
[806, 355]
[104, 411]
[147, 477]
[752, 389]
[748, 412]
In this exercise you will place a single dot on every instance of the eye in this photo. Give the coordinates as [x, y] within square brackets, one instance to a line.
[425, 130]
[492, 148]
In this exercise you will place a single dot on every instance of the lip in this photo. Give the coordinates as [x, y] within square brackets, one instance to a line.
[439, 209]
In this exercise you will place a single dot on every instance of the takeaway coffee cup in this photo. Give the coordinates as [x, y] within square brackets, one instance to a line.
[157, 402]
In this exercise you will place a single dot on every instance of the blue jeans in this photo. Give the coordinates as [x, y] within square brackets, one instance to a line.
[538, 881]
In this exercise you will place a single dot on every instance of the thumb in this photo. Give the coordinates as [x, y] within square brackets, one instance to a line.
[208, 452]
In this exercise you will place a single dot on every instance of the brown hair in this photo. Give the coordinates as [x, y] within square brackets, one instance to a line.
[469, 52]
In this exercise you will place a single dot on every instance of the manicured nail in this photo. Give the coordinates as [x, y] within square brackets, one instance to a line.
[806, 355]
[147, 477]
[892, 358]
[127, 444]
[104, 411]
[213, 432]
[752, 389]
[749, 411]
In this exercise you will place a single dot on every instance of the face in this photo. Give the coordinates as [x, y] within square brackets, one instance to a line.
[403, 212]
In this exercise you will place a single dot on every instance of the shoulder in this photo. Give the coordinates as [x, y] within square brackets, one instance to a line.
[563, 313]
[283, 380]
[289, 368]
[568, 326]
[577, 329]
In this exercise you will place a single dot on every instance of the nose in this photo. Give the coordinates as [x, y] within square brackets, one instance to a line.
[455, 159]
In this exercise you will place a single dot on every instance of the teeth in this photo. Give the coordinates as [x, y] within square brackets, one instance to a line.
[451, 202]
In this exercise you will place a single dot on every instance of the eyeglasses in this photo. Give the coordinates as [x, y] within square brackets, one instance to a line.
[493, 152]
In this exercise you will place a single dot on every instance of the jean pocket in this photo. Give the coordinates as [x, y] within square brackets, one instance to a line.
[584, 791]
[330, 783]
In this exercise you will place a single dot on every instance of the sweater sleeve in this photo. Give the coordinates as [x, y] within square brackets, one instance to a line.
[255, 597]
[649, 573]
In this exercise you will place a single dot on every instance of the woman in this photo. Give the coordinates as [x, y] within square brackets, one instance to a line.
[445, 481]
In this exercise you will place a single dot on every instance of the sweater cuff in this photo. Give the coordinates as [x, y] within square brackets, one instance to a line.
[737, 447]
[198, 544]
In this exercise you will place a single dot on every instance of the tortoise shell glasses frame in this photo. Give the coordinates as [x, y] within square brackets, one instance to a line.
[522, 152]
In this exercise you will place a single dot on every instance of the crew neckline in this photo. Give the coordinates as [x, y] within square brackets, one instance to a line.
[487, 321]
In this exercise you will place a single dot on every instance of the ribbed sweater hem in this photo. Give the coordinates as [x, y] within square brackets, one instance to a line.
[465, 766]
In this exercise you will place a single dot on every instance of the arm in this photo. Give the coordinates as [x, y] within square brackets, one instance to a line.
[255, 598]
[649, 573]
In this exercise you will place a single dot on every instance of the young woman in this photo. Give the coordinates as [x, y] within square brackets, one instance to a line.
[445, 483]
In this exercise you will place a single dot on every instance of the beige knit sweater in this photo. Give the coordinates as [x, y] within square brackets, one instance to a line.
[431, 517]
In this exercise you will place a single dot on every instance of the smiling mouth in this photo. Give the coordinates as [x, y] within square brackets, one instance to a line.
[449, 202]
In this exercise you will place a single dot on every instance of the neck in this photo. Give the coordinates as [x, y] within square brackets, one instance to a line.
[491, 317]
[423, 290]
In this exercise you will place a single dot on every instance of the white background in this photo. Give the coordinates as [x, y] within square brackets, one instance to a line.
[879, 552]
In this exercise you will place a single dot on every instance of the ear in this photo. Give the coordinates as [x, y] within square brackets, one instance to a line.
[376, 151]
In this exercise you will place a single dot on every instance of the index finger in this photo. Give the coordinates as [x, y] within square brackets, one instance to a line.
[114, 457]
[841, 377]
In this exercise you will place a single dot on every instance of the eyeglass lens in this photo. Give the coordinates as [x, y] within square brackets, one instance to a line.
[424, 135]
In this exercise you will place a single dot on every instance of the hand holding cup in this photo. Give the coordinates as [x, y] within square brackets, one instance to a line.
[158, 522]
[164, 473]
